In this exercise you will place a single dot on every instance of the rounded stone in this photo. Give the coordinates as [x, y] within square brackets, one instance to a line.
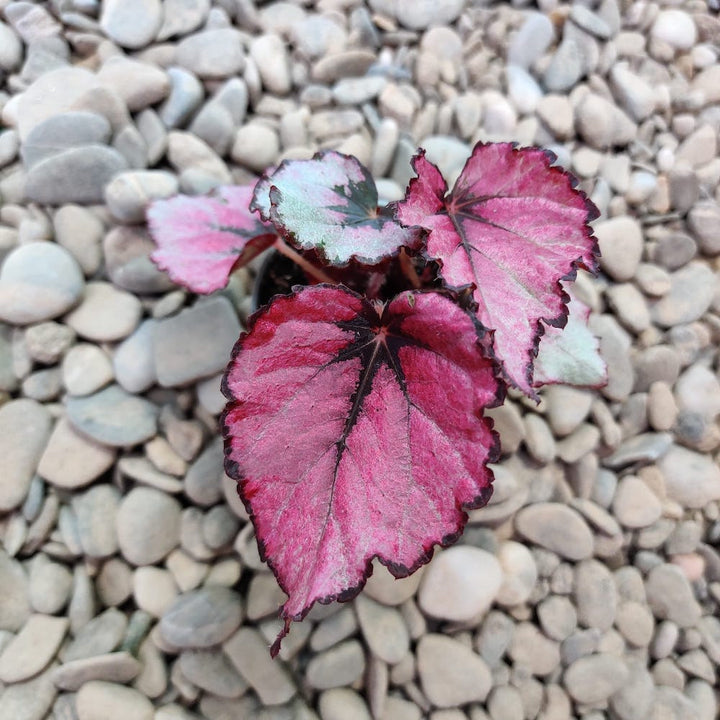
[691, 478]
[557, 616]
[214, 53]
[384, 630]
[602, 124]
[595, 595]
[48, 341]
[342, 704]
[270, 55]
[676, 28]
[131, 23]
[519, 574]
[63, 131]
[100, 700]
[38, 281]
[14, 602]
[11, 48]
[202, 618]
[114, 582]
[460, 583]
[704, 697]
[129, 193]
[186, 96]
[389, 590]
[567, 407]
[24, 431]
[50, 586]
[422, 14]
[154, 590]
[505, 703]
[116, 667]
[106, 314]
[195, 343]
[78, 174]
[635, 623]
[133, 360]
[594, 678]
[139, 84]
[202, 480]
[670, 596]
[127, 260]
[96, 511]
[635, 505]
[79, 231]
[182, 17]
[148, 525]
[692, 289]
[338, 666]
[634, 699]
[86, 369]
[113, 417]
[451, 674]
[256, 146]
[703, 220]
[101, 634]
[621, 246]
[32, 649]
[532, 650]
[43, 100]
[556, 527]
[248, 652]
[211, 670]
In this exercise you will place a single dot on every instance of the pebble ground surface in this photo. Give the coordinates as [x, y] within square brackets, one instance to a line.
[130, 585]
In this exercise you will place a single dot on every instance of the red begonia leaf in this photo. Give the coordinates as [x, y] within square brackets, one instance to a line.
[355, 434]
[201, 239]
[512, 227]
[329, 204]
[570, 355]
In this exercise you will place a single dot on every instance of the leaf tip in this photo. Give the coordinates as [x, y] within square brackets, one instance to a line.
[275, 647]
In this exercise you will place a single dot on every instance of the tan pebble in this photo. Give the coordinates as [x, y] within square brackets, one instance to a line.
[692, 565]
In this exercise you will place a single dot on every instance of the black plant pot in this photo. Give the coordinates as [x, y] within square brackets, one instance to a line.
[277, 276]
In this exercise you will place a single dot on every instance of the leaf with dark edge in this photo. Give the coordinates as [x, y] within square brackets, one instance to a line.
[571, 355]
[202, 239]
[329, 204]
[356, 433]
[512, 228]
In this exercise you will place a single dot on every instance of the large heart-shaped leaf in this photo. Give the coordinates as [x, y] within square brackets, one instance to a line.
[512, 228]
[329, 204]
[570, 355]
[356, 435]
[201, 239]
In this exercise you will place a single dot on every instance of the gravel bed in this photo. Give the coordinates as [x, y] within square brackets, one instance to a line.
[130, 584]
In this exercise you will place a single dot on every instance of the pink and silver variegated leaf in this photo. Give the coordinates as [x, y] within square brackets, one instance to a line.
[512, 228]
[570, 355]
[329, 204]
[356, 435]
[201, 239]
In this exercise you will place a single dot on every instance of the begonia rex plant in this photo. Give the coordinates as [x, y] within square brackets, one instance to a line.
[354, 425]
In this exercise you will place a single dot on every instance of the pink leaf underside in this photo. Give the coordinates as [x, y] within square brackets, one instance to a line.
[354, 436]
[513, 226]
[329, 204]
[201, 239]
[571, 355]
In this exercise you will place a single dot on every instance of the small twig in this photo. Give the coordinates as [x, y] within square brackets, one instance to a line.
[409, 270]
[284, 249]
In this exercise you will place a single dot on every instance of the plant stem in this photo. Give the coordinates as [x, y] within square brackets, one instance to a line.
[409, 270]
[284, 249]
